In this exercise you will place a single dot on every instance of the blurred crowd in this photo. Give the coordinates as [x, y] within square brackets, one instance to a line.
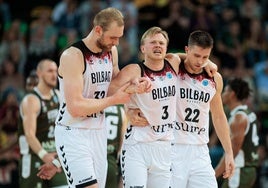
[239, 29]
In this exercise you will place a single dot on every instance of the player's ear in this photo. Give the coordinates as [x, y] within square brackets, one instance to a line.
[142, 48]
[98, 29]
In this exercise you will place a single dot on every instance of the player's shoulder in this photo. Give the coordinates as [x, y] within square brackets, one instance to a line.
[217, 77]
[30, 99]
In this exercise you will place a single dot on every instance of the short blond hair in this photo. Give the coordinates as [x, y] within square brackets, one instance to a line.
[106, 16]
[153, 31]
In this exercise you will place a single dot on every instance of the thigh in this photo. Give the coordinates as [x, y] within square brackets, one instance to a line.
[133, 166]
[180, 165]
[160, 168]
[76, 155]
[202, 173]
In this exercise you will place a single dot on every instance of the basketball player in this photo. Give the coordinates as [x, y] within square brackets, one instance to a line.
[86, 69]
[145, 157]
[39, 109]
[244, 135]
[197, 94]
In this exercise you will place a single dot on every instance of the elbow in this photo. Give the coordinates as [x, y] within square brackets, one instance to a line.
[74, 110]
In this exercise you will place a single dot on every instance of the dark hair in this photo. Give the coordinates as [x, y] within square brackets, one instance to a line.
[200, 38]
[240, 87]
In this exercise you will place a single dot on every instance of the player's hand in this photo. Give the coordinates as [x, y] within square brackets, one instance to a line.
[211, 68]
[136, 117]
[121, 96]
[140, 85]
[229, 166]
[47, 171]
[173, 58]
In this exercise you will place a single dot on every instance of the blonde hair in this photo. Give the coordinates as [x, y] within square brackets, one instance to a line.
[106, 16]
[153, 31]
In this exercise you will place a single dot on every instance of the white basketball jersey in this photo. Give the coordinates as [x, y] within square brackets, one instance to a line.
[157, 106]
[96, 77]
[194, 93]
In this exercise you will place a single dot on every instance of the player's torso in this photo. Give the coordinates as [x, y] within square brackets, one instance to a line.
[45, 123]
[158, 106]
[248, 155]
[194, 93]
[96, 80]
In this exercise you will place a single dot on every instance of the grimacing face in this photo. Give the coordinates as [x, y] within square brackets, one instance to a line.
[155, 47]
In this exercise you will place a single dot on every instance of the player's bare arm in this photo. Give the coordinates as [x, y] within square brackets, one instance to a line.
[238, 128]
[221, 127]
[130, 74]
[71, 69]
[115, 61]
[29, 126]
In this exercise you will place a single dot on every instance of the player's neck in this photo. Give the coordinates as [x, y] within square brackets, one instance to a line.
[155, 65]
[190, 70]
[45, 91]
[90, 42]
[234, 104]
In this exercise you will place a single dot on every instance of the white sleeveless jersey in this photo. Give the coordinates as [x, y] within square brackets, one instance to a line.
[194, 93]
[157, 106]
[96, 77]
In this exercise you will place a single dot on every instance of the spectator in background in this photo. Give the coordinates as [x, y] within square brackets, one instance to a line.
[69, 20]
[261, 78]
[130, 12]
[9, 155]
[250, 9]
[58, 10]
[5, 15]
[13, 44]
[10, 77]
[254, 44]
[31, 81]
[88, 9]
[126, 55]
[229, 48]
[43, 36]
[176, 23]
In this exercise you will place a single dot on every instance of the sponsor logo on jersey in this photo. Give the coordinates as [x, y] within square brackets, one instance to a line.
[181, 126]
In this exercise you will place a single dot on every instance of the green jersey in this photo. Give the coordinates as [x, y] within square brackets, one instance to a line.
[114, 122]
[30, 162]
[45, 124]
[247, 156]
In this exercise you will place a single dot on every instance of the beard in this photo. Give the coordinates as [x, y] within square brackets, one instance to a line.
[100, 44]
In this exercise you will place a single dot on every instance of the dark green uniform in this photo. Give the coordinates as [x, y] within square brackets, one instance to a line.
[30, 162]
[248, 152]
[114, 122]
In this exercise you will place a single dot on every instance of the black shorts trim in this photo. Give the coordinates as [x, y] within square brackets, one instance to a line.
[86, 184]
